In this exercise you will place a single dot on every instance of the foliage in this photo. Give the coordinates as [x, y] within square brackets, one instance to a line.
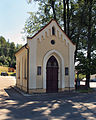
[81, 76]
[86, 38]
[39, 19]
[7, 53]
[78, 19]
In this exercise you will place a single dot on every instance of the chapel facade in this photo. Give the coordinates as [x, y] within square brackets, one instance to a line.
[46, 62]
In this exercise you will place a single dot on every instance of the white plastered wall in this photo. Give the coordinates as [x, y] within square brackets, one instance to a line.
[49, 27]
[20, 61]
[32, 43]
[71, 65]
[32, 63]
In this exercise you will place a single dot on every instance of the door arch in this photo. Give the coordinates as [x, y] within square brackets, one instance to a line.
[52, 75]
[57, 55]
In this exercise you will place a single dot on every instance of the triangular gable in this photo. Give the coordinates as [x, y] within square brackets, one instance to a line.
[46, 28]
[24, 46]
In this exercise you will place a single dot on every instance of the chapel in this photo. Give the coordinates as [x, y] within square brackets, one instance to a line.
[46, 62]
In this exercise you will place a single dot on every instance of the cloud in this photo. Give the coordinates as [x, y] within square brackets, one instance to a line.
[15, 37]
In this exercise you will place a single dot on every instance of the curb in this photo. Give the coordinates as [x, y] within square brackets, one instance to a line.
[40, 94]
[19, 91]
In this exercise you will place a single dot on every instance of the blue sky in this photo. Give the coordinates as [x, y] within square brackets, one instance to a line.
[13, 14]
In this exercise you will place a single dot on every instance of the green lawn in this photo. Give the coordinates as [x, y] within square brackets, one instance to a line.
[89, 90]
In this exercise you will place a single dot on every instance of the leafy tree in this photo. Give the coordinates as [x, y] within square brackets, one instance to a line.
[7, 52]
[12, 50]
[78, 19]
[87, 36]
[47, 11]
[18, 46]
[2, 45]
[3, 60]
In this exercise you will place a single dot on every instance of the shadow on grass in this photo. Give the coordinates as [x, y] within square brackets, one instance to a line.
[84, 89]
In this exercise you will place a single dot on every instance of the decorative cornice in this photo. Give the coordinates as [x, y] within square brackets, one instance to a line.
[49, 26]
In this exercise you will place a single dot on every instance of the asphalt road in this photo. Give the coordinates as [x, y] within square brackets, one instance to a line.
[57, 106]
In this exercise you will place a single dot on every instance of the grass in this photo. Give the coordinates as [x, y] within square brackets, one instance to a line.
[5, 69]
[89, 90]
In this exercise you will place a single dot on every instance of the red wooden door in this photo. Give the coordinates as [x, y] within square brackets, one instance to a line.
[52, 75]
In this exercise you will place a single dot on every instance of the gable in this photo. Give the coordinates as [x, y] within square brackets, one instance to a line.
[21, 49]
[46, 29]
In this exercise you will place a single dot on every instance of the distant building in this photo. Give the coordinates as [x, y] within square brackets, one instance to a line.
[93, 77]
[46, 62]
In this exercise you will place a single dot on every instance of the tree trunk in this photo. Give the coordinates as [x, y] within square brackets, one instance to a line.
[89, 42]
[77, 43]
[53, 8]
[64, 14]
[68, 18]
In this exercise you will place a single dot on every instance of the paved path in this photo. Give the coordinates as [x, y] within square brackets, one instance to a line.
[62, 106]
[6, 81]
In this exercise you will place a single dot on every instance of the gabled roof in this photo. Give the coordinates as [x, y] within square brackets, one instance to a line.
[24, 46]
[42, 30]
[45, 27]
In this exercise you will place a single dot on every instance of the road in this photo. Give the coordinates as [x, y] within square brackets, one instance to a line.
[55, 106]
[6, 81]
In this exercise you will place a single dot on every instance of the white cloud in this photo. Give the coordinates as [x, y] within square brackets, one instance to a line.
[15, 37]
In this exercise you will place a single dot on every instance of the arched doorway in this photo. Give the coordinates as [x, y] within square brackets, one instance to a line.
[52, 75]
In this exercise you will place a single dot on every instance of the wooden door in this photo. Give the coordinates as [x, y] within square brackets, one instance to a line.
[52, 75]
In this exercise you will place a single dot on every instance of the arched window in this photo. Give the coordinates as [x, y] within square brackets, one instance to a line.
[53, 31]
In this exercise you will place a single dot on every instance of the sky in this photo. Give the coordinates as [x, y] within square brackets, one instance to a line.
[13, 14]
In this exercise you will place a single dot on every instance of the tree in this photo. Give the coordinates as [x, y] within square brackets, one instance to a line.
[87, 38]
[89, 4]
[78, 19]
[68, 18]
[2, 45]
[64, 14]
[47, 10]
[52, 3]
[12, 50]
[3, 60]
[7, 52]
[18, 46]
